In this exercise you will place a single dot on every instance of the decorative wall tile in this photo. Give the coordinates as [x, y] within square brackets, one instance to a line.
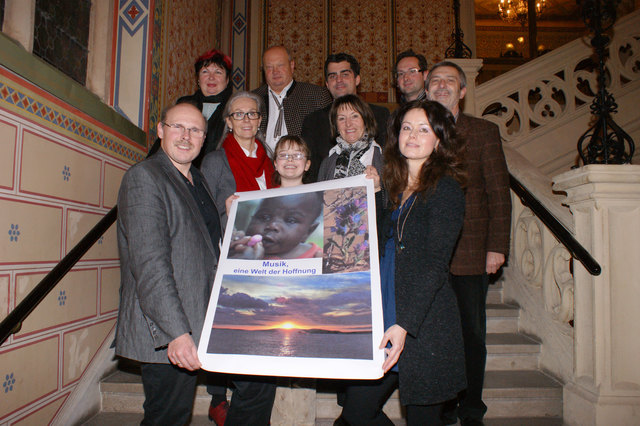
[28, 373]
[37, 229]
[8, 133]
[112, 178]
[302, 28]
[109, 289]
[4, 296]
[43, 415]
[239, 41]
[80, 346]
[79, 224]
[73, 299]
[361, 28]
[51, 169]
[428, 27]
[130, 66]
[32, 103]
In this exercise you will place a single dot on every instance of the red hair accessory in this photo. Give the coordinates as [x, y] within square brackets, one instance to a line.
[213, 52]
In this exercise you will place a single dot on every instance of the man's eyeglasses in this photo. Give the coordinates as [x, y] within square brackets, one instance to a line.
[239, 115]
[286, 156]
[193, 131]
[411, 72]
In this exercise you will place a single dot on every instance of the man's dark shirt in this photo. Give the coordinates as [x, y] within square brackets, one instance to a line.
[206, 206]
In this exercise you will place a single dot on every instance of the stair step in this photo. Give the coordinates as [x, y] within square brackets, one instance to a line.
[515, 421]
[510, 351]
[122, 393]
[521, 393]
[121, 419]
[502, 318]
[494, 295]
[507, 394]
[327, 407]
[523, 421]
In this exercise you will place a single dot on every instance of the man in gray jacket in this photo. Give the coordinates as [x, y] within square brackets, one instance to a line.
[168, 239]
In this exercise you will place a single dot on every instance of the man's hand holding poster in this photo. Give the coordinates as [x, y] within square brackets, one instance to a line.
[297, 292]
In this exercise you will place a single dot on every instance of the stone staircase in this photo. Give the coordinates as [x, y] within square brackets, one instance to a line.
[516, 392]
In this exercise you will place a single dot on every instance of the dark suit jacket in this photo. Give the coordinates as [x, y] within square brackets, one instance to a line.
[167, 261]
[487, 219]
[301, 99]
[316, 132]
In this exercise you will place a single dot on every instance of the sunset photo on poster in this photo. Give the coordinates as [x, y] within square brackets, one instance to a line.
[317, 316]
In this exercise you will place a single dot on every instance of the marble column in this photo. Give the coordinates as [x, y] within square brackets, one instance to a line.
[471, 68]
[605, 386]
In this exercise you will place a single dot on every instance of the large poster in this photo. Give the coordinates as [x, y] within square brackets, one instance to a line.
[297, 291]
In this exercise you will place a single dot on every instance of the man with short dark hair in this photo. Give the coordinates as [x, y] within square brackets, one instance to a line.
[286, 100]
[342, 76]
[411, 73]
[484, 241]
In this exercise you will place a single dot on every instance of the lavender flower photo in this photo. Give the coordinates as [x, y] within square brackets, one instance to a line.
[346, 244]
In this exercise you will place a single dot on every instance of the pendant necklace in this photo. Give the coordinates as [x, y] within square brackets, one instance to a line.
[400, 231]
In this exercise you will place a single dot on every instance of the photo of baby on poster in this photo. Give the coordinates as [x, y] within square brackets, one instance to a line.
[297, 292]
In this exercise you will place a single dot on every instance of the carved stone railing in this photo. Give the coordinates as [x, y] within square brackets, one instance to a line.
[543, 107]
[538, 277]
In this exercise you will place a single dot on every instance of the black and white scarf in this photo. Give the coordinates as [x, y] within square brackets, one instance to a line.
[349, 154]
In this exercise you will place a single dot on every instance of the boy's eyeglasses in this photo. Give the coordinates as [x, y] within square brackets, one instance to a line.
[285, 156]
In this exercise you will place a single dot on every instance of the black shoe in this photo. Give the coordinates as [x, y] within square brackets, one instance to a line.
[340, 422]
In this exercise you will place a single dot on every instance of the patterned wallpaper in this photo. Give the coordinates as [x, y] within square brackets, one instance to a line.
[372, 31]
[361, 28]
[301, 27]
[190, 27]
[424, 26]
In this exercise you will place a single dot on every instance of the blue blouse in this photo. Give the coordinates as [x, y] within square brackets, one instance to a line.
[388, 270]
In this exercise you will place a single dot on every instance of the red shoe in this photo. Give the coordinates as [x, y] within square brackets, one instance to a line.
[218, 414]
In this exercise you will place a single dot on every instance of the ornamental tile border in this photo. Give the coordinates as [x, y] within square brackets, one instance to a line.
[38, 108]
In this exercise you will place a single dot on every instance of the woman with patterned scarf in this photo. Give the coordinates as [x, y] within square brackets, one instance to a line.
[352, 125]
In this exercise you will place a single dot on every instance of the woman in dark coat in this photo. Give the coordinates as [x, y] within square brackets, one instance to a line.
[419, 223]
[212, 70]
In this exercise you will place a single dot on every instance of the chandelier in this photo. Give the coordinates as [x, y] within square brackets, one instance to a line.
[518, 10]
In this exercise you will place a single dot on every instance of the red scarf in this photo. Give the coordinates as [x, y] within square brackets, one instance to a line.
[246, 169]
